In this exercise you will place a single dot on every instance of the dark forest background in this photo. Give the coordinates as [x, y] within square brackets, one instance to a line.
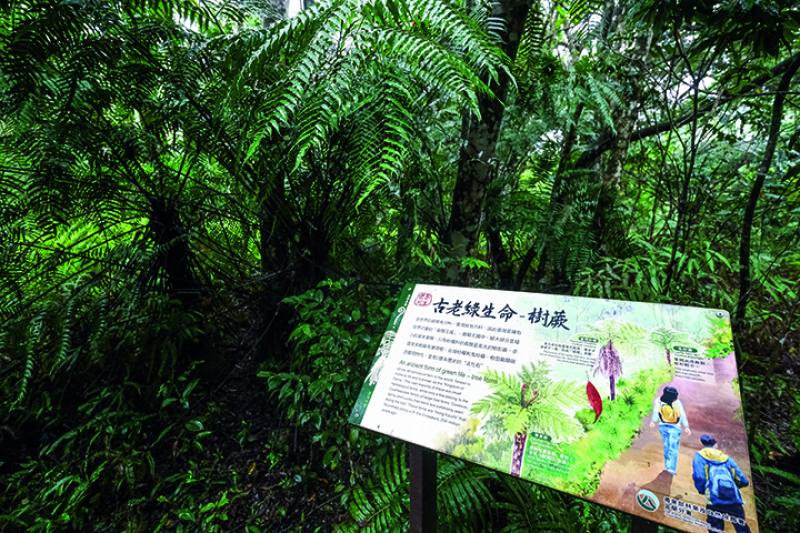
[207, 208]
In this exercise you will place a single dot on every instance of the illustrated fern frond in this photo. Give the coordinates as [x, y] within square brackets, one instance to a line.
[556, 423]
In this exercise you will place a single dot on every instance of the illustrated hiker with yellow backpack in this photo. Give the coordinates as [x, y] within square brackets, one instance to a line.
[670, 415]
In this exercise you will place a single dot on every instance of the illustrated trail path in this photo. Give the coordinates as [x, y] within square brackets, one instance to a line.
[711, 408]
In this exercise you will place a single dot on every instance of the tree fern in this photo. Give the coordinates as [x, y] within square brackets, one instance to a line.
[507, 411]
[323, 84]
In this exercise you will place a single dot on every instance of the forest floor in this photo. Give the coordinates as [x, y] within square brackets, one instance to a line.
[710, 408]
[255, 449]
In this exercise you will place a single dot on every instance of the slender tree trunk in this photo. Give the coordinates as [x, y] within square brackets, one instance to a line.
[478, 149]
[669, 357]
[500, 259]
[683, 198]
[624, 121]
[750, 210]
[275, 229]
[274, 238]
[405, 231]
[612, 382]
[557, 199]
[174, 255]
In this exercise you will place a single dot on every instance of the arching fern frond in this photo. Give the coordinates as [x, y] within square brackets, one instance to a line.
[342, 64]
[384, 505]
[529, 507]
[463, 498]
[528, 61]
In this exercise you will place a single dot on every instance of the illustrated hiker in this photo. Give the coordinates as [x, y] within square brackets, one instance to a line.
[719, 477]
[668, 411]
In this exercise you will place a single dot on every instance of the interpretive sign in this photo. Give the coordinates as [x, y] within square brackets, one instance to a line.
[631, 405]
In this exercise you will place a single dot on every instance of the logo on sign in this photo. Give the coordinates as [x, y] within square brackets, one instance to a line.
[647, 500]
[423, 299]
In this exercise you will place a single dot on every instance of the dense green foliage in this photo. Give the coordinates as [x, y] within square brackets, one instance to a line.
[207, 207]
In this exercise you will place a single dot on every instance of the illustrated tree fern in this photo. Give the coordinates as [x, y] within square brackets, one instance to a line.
[616, 338]
[608, 364]
[529, 401]
[666, 339]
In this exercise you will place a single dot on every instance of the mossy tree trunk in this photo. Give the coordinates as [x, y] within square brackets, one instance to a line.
[478, 150]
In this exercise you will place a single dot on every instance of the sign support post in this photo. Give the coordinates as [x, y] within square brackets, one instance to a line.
[422, 467]
[642, 525]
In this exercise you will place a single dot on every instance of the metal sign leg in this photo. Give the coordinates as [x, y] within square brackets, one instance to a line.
[642, 525]
[422, 467]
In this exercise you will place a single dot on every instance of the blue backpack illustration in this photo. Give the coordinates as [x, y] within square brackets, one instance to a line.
[721, 485]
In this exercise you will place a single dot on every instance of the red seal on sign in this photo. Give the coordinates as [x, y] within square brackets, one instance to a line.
[423, 299]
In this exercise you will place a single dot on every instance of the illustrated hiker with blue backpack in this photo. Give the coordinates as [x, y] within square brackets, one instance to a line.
[669, 413]
[719, 477]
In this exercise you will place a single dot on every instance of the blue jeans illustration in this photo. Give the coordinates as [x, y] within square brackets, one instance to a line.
[671, 435]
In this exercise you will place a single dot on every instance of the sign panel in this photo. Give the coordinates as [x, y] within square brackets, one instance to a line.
[631, 405]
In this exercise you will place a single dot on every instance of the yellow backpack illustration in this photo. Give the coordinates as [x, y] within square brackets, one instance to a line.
[668, 414]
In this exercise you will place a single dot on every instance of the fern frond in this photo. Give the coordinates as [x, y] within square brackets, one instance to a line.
[384, 505]
[529, 507]
[527, 62]
[463, 498]
[33, 338]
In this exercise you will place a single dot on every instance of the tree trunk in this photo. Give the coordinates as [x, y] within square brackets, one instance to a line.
[477, 153]
[175, 259]
[174, 255]
[275, 246]
[612, 382]
[669, 357]
[518, 453]
[500, 260]
[624, 120]
[749, 213]
[273, 227]
[557, 199]
[405, 231]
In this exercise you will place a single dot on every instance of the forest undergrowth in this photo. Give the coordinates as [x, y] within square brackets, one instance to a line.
[208, 208]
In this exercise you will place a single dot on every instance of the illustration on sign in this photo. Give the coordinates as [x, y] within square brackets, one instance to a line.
[631, 405]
